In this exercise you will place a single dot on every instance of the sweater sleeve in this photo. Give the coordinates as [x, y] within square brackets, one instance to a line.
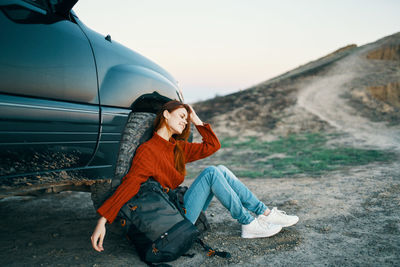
[210, 144]
[140, 171]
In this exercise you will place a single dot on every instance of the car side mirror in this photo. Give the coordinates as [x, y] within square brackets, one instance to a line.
[62, 7]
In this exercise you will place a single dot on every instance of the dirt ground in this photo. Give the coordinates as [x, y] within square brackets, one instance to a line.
[350, 216]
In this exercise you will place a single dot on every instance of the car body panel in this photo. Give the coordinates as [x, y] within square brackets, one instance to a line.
[125, 75]
[38, 135]
[51, 61]
[112, 128]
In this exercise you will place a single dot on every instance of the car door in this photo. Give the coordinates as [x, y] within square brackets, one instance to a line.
[49, 106]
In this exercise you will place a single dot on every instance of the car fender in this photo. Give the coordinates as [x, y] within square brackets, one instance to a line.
[124, 84]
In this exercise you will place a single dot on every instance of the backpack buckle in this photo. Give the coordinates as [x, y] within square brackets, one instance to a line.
[211, 253]
[154, 250]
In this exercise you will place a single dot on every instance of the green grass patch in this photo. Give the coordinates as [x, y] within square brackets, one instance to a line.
[227, 142]
[302, 154]
[250, 174]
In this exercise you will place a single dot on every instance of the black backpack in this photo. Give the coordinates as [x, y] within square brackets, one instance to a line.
[155, 223]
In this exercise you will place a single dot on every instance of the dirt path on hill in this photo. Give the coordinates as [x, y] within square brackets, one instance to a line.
[324, 97]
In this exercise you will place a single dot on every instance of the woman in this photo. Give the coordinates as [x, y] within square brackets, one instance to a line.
[164, 156]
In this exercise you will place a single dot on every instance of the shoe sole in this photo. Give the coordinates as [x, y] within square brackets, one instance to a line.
[261, 236]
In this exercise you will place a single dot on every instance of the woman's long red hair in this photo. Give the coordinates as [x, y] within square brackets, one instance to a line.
[159, 121]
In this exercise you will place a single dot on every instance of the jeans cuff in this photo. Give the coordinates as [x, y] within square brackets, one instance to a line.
[248, 220]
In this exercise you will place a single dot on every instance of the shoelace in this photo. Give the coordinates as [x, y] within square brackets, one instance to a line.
[281, 212]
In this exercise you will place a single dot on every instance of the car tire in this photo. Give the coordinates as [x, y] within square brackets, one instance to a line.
[138, 130]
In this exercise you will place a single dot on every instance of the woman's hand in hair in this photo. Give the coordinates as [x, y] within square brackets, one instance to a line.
[98, 234]
[194, 118]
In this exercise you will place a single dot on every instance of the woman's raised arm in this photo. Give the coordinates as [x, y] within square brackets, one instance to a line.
[210, 144]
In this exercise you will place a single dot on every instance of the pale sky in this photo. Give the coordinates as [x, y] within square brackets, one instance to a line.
[221, 46]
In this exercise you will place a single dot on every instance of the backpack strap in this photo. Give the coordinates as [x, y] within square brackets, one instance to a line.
[213, 252]
[177, 199]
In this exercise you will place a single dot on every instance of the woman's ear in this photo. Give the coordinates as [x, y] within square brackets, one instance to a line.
[166, 114]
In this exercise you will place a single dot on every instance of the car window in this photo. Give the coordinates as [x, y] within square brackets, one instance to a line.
[20, 14]
[23, 15]
[38, 3]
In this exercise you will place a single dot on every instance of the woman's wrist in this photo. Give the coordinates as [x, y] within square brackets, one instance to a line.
[194, 118]
[102, 221]
[197, 121]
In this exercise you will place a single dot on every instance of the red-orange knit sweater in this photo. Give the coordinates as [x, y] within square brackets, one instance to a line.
[156, 158]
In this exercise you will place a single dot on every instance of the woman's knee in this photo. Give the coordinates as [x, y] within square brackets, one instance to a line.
[226, 172]
[222, 167]
[213, 173]
[211, 169]
[208, 172]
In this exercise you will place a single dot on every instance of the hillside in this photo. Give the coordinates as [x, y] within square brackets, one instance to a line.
[373, 90]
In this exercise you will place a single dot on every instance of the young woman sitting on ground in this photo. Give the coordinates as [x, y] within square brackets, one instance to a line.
[164, 156]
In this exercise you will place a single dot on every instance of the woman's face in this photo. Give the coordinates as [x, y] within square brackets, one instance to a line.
[176, 120]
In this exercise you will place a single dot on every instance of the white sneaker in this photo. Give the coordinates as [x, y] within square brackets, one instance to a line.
[255, 229]
[278, 217]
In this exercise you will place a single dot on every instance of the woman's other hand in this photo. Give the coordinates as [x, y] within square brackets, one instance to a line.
[194, 118]
[99, 234]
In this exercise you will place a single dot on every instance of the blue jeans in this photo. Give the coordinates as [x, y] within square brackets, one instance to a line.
[231, 192]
